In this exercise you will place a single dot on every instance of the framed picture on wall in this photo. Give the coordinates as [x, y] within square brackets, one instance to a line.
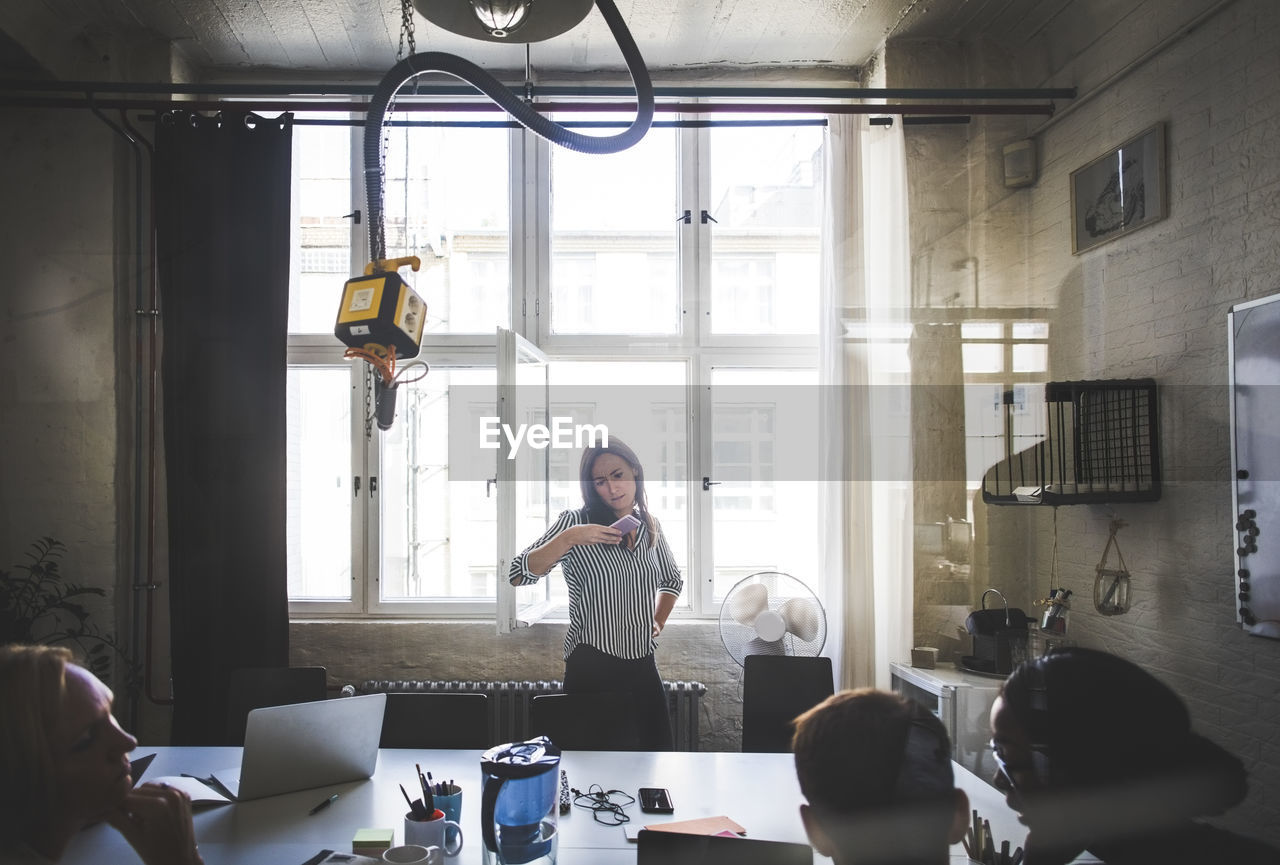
[1119, 192]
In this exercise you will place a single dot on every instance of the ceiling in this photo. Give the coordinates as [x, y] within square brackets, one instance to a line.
[220, 39]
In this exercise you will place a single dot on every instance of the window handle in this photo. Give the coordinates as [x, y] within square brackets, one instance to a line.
[489, 483]
[707, 484]
[373, 485]
[707, 217]
[686, 217]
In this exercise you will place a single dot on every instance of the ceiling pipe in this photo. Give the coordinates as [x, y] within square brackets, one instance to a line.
[407, 104]
[538, 90]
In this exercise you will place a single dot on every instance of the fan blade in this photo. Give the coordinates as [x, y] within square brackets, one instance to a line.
[747, 603]
[758, 646]
[803, 617]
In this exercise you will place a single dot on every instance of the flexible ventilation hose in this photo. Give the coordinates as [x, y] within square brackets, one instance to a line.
[436, 61]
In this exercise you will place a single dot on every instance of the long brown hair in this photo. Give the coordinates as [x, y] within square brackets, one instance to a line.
[597, 510]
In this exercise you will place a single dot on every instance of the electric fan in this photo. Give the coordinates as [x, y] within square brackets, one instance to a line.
[772, 613]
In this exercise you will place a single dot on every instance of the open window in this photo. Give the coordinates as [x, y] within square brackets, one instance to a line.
[521, 475]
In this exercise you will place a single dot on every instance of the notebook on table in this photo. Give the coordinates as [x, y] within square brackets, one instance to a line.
[305, 745]
[678, 848]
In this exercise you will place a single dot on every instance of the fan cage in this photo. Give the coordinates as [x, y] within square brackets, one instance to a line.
[741, 640]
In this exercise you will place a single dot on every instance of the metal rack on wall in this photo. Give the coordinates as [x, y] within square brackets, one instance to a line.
[1101, 444]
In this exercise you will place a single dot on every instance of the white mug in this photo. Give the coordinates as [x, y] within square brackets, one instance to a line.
[436, 832]
[414, 854]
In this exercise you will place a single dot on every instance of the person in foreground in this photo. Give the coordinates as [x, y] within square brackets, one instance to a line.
[622, 587]
[876, 771]
[64, 766]
[1096, 754]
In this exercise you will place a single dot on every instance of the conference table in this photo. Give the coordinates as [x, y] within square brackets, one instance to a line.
[758, 791]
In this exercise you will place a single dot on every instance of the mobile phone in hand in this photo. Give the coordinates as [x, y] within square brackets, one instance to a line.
[626, 524]
[655, 800]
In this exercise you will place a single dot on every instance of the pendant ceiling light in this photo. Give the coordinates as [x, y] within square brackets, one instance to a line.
[505, 20]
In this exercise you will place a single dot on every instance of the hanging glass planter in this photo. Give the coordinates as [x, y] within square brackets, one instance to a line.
[1111, 585]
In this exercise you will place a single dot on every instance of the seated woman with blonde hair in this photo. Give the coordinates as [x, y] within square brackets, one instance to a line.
[64, 765]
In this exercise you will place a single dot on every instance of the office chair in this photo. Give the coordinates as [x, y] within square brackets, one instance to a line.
[255, 687]
[456, 721]
[775, 689]
[586, 722]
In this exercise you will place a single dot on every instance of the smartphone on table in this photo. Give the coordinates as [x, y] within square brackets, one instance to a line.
[655, 800]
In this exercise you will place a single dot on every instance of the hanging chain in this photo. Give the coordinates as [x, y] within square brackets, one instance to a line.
[406, 30]
[406, 38]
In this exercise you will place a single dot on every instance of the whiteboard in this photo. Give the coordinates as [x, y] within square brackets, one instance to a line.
[1253, 334]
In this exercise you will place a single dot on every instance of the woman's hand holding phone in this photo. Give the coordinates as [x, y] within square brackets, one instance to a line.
[590, 533]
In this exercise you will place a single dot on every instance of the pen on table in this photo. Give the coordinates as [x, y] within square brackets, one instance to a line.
[325, 804]
[415, 806]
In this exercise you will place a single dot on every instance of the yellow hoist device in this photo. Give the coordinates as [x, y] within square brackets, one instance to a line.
[380, 321]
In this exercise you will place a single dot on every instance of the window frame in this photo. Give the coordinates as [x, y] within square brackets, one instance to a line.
[530, 259]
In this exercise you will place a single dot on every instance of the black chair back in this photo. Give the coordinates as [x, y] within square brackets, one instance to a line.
[586, 722]
[436, 720]
[775, 689]
[256, 687]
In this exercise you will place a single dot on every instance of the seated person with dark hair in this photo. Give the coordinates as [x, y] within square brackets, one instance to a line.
[1096, 754]
[876, 771]
[64, 766]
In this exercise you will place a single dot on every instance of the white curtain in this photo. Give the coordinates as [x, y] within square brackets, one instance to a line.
[865, 508]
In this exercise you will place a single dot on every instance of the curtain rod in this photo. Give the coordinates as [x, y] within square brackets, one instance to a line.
[404, 105]
[546, 90]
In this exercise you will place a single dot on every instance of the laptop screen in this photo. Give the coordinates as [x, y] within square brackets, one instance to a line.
[676, 848]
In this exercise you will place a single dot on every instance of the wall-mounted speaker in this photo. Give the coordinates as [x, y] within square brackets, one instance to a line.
[1020, 163]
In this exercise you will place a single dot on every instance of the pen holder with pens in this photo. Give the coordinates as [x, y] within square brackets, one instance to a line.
[436, 831]
[999, 637]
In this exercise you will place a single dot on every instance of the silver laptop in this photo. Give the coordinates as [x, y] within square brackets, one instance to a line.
[304, 745]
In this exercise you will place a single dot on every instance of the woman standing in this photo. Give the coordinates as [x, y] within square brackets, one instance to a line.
[622, 586]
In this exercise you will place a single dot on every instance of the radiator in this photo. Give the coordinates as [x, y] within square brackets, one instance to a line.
[509, 704]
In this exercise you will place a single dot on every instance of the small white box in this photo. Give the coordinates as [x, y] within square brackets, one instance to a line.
[924, 657]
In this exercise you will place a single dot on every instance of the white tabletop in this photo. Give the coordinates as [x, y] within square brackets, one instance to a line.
[759, 791]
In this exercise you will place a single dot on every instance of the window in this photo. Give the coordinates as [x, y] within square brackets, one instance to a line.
[1003, 360]
[694, 340]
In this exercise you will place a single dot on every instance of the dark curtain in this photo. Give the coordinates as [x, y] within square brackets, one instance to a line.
[222, 187]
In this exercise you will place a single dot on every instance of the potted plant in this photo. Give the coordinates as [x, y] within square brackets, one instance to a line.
[38, 606]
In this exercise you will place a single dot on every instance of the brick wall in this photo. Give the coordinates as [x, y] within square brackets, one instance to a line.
[1154, 303]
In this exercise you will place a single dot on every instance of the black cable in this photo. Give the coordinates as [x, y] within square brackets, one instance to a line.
[606, 805]
[436, 61]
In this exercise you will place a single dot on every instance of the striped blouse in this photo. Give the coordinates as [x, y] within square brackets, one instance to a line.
[611, 588]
